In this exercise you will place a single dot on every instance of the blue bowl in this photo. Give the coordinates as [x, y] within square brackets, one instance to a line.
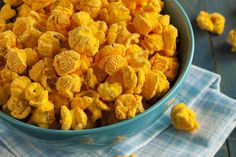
[87, 140]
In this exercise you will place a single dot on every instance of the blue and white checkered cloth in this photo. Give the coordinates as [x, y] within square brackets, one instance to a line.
[216, 114]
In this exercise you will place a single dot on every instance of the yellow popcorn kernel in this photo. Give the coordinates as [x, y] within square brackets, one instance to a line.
[86, 63]
[59, 19]
[38, 70]
[183, 118]
[114, 49]
[173, 68]
[49, 43]
[115, 12]
[139, 62]
[18, 107]
[118, 33]
[99, 73]
[79, 119]
[58, 100]
[19, 85]
[7, 75]
[129, 79]
[163, 22]
[90, 80]
[140, 81]
[38, 4]
[66, 62]
[153, 43]
[213, 23]
[36, 95]
[81, 19]
[13, 2]
[163, 84]
[68, 85]
[145, 22]
[99, 29]
[81, 102]
[82, 40]
[23, 10]
[112, 64]
[127, 106]
[109, 91]
[90, 6]
[32, 57]
[66, 118]
[16, 60]
[6, 12]
[231, 39]
[7, 40]
[43, 119]
[159, 62]
[170, 35]
[3, 25]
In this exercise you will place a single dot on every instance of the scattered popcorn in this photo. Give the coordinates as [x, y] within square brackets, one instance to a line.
[19, 85]
[41, 118]
[213, 23]
[109, 92]
[231, 39]
[153, 43]
[183, 118]
[6, 12]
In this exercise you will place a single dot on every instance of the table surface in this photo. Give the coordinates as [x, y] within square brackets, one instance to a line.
[213, 53]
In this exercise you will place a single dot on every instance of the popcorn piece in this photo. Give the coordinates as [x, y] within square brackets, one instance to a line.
[134, 49]
[140, 81]
[170, 40]
[3, 25]
[231, 39]
[82, 102]
[49, 43]
[163, 23]
[43, 119]
[18, 108]
[81, 19]
[32, 56]
[6, 12]
[48, 80]
[7, 75]
[112, 64]
[99, 29]
[99, 73]
[58, 100]
[82, 40]
[118, 33]
[13, 2]
[109, 91]
[90, 80]
[213, 23]
[67, 85]
[66, 62]
[16, 60]
[23, 10]
[183, 118]
[59, 20]
[155, 85]
[66, 118]
[114, 12]
[90, 6]
[95, 111]
[160, 63]
[129, 79]
[173, 68]
[7, 40]
[38, 4]
[127, 106]
[145, 22]
[19, 85]
[40, 68]
[139, 62]
[153, 43]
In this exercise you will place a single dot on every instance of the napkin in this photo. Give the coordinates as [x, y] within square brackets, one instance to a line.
[216, 114]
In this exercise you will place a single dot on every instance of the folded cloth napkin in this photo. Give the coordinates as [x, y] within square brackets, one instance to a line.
[216, 114]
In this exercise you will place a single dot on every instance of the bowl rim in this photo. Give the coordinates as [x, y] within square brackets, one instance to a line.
[125, 122]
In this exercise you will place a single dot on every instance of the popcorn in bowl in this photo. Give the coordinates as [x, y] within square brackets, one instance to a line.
[75, 65]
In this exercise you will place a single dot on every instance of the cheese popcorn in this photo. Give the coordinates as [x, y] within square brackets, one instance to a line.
[231, 39]
[82, 102]
[153, 43]
[58, 100]
[86, 63]
[66, 62]
[159, 62]
[115, 12]
[3, 25]
[173, 68]
[24, 10]
[67, 85]
[13, 2]
[82, 40]
[81, 19]
[59, 20]
[43, 119]
[118, 33]
[16, 60]
[19, 108]
[170, 36]
[19, 85]
[90, 6]
[6, 12]
[109, 92]
[7, 75]
[183, 118]
[38, 4]
[90, 80]
[49, 43]
[31, 56]
[99, 29]
[7, 40]
[127, 106]
[213, 23]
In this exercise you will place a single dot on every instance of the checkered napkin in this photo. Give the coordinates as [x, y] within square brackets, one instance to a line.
[216, 114]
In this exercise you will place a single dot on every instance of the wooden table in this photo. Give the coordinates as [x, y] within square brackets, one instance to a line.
[213, 53]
